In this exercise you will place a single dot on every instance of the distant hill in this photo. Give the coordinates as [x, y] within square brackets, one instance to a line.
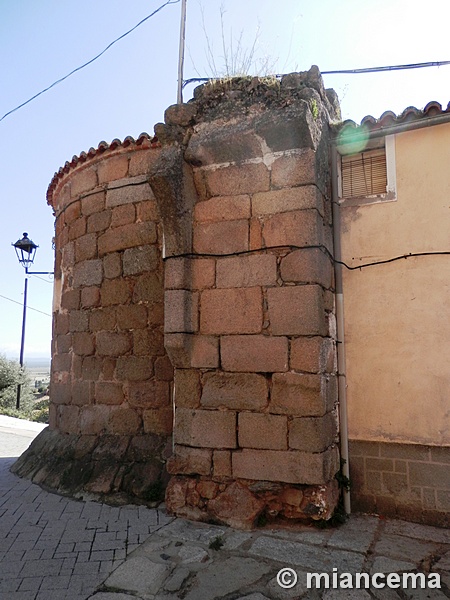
[38, 363]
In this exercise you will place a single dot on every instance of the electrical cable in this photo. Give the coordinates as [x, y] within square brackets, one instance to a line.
[194, 255]
[28, 307]
[90, 61]
[347, 71]
[41, 278]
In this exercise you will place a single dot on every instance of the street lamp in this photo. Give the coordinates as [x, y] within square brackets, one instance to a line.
[26, 251]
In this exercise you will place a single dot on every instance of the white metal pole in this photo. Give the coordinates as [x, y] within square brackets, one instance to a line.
[181, 53]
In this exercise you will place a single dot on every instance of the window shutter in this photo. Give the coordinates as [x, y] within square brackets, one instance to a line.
[364, 174]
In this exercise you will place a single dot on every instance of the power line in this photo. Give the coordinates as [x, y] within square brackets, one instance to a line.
[89, 61]
[29, 307]
[349, 71]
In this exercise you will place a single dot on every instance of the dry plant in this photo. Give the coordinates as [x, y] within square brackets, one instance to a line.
[237, 59]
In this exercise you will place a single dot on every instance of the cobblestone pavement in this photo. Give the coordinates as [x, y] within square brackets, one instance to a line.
[54, 548]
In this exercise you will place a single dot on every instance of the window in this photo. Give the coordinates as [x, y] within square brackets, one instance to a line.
[368, 176]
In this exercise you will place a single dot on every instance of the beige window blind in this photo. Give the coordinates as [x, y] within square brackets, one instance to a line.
[364, 174]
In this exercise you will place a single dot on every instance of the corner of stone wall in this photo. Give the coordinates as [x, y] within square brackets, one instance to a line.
[243, 187]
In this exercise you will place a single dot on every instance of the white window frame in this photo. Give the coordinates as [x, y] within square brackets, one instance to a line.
[391, 187]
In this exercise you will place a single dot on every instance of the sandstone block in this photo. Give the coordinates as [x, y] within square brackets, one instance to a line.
[83, 343]
[84, 180]
[86, 247]
[231, 311]
[258, 430]
[94, 419]
[158, 420]
[98, 221]
[141, 160]
[90, 297]
[287, 466]
[109, 343]
[189, 274]
[115, 291]
[180, 311]
[123, 215]
[125, 191]
[148, 394]
[126, 236]
[294, 169]
[309, 265]
[70, 299]
[63, 343]
[112, 265]
[149, 289]
[236, 391]
[82, 393]
[301, 395]
[255, 235]
[149, 342]
[222, 463]
[186, 351]
[107, 392]
[312, 434]
[313, 355]
[88, 272]
[61, 362]
[163, 369]
[189, 461]
[134, 368]
[225, 208]
[205, 428]
[296, 228]
[77, 228]
[68, 419]
[225, 237]
[78, 320]
[147, 211]
[94, 203]
[187, 388]
[102, 319]
[297, 310]
[124, 421]
[254, 353]
[91, 367]
[112, 168]
[132, 316]
[235, 180]
[72, 212]
[139, 260]
[287, 200]
[60, 392]
[247, 271]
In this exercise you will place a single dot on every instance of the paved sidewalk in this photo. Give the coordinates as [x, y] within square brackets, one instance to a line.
[54, 548]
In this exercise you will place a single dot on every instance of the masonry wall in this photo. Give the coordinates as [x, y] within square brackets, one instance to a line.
[110, 392]
[249, 309]
[396, 329]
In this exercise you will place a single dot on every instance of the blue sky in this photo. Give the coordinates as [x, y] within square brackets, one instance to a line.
[127, 90]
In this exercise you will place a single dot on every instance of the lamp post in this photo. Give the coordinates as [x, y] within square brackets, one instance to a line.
[25, 251]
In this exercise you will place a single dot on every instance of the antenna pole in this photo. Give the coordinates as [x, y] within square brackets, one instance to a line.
[181, 53]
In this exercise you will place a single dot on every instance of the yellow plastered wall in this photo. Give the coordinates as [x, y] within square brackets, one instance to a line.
[397, 316]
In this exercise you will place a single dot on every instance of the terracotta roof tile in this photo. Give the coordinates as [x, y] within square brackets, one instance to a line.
[144, 140]
[389, 118]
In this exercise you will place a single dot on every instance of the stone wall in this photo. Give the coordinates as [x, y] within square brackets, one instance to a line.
[249, 305]
[110, 412]
[236, 195]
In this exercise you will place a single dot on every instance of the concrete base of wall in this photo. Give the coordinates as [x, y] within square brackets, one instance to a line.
[244, 504]
[111, 468]
[407, 481]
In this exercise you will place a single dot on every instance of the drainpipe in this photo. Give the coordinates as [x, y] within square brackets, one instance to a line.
[342, 379]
